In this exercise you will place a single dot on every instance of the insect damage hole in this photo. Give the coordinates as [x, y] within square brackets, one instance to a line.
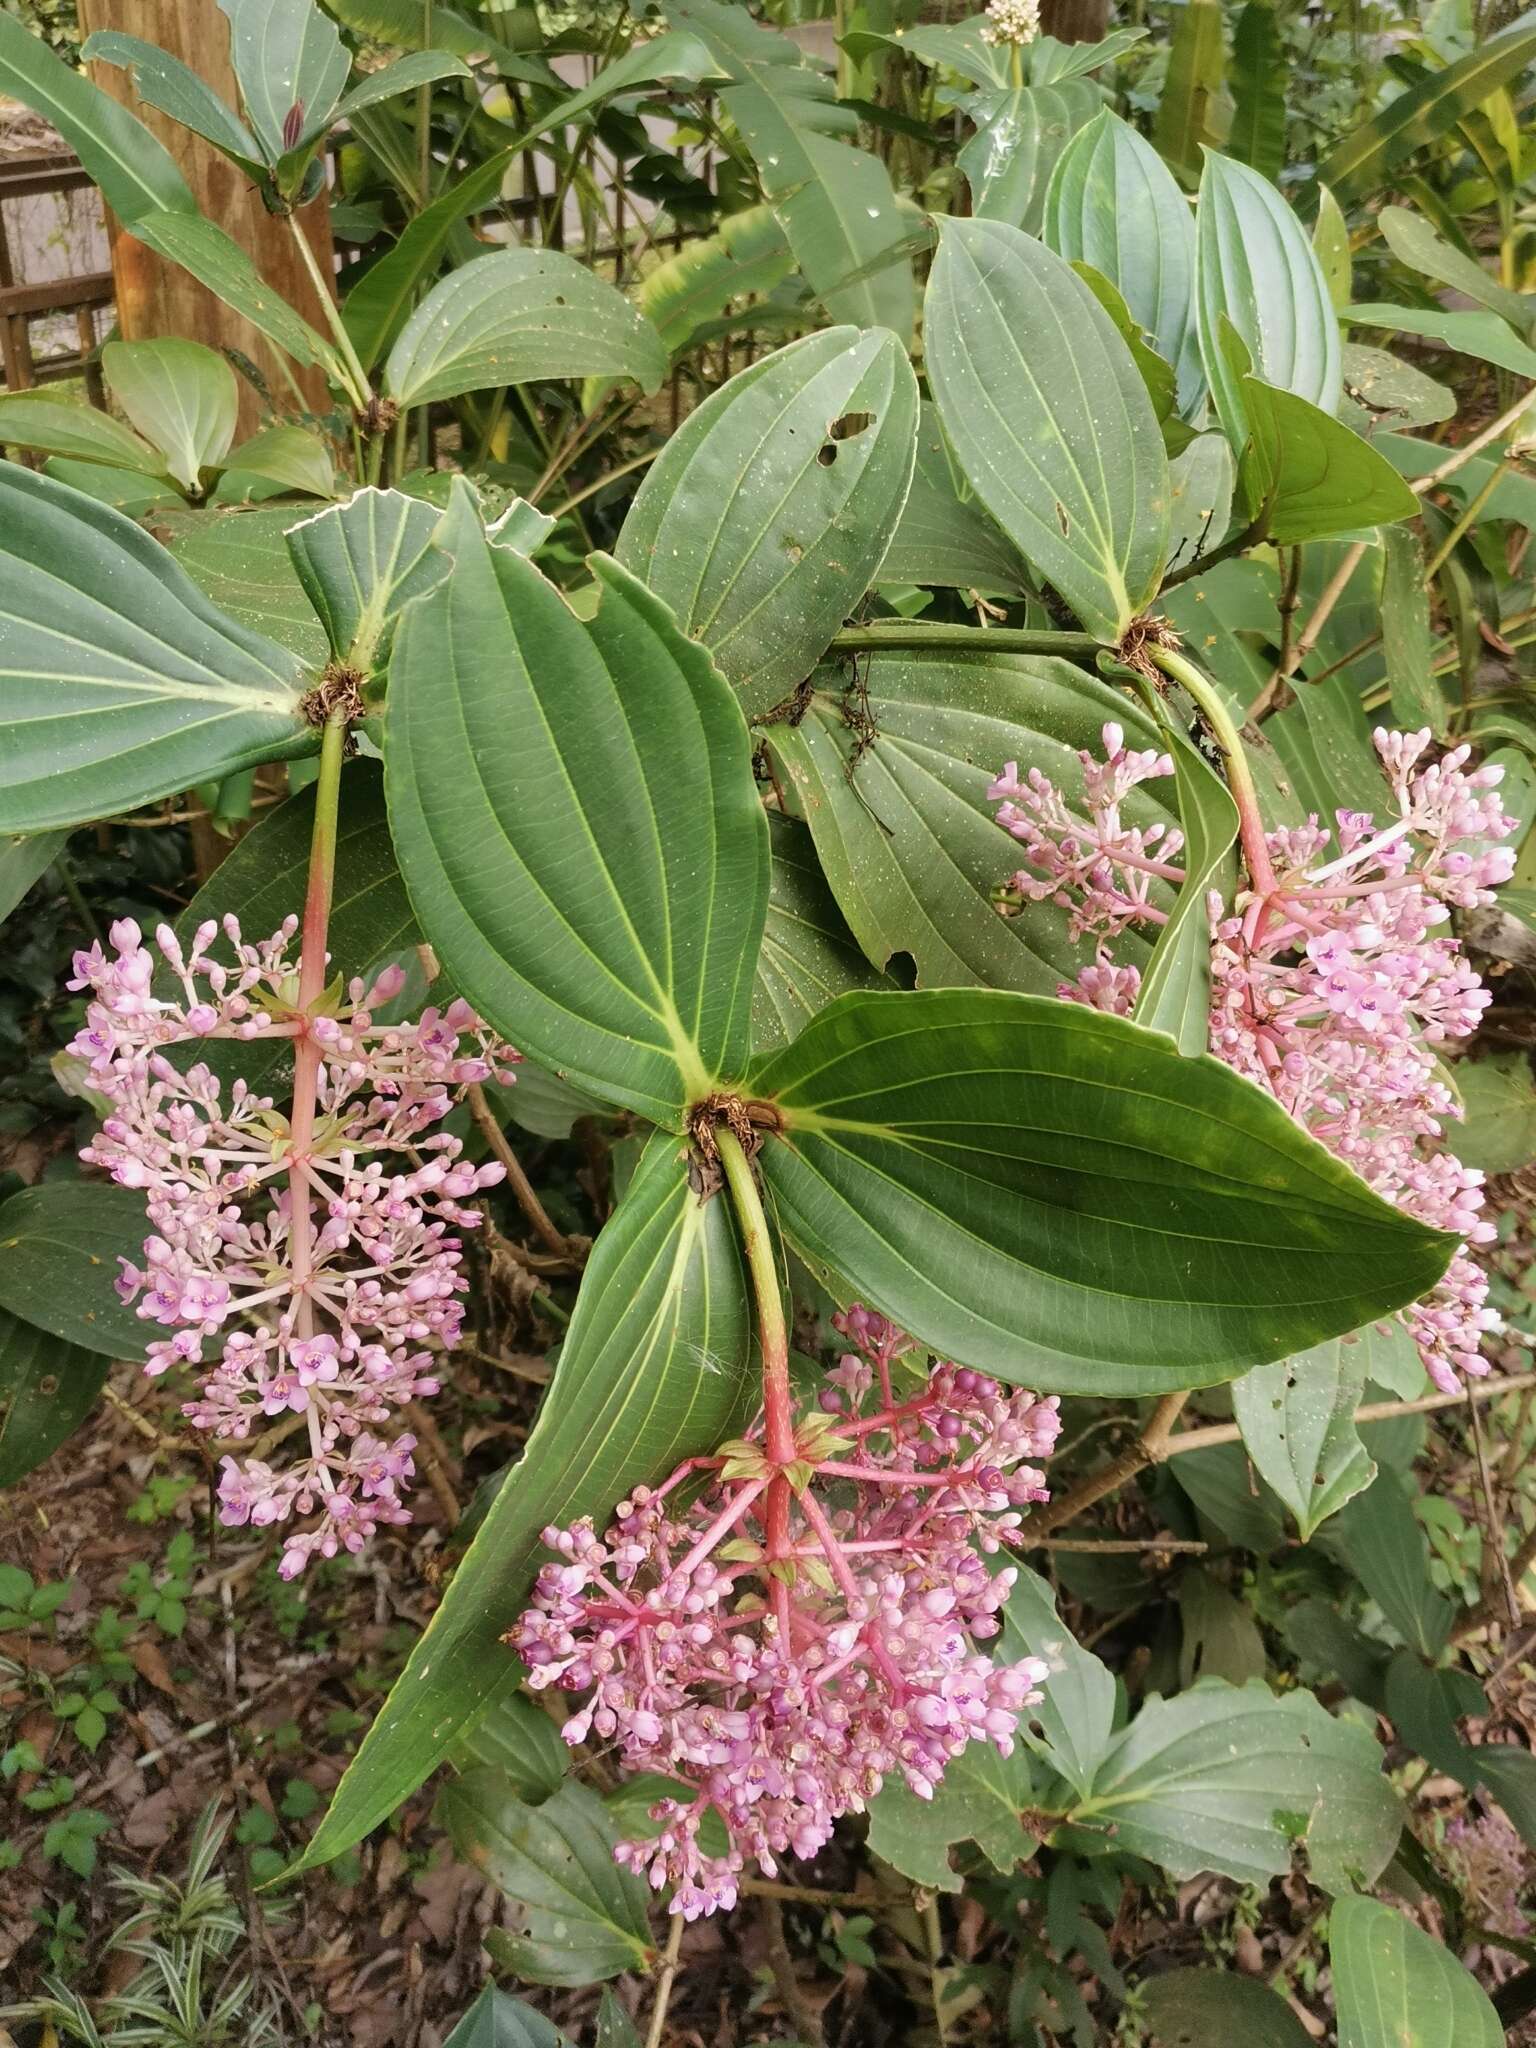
[847, 427]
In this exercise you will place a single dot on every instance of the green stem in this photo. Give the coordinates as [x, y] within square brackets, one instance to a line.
[906, 636]
[1442, 554]
[355, 377]
[1239, 776]
[757, 1243]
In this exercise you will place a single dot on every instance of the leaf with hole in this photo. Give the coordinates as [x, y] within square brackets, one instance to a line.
[890, 765]
[1232, 1779]
[1397, 1987]
[765, 519]
[575, 817]
[1298, 1422]
[1049, 419]
[1053, 1194]
[182, 398]
[1107, 177]
[47, 1388]
[656, 1366]
[514, 316]
[119, 681]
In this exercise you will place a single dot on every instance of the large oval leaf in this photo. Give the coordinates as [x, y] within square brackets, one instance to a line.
[1256, 267]
[520, 314]
[1048, 416]
[889, 764]
[47, 1389]
[60, 1244]
[1114, 204]
[1020, 134]
[1056, 1195]
[119, 681]
[181, 396]
[1397, 1987]
[766, 518]
[575, 817]
[809, 956]
[1213, 2008]
[655, 1368]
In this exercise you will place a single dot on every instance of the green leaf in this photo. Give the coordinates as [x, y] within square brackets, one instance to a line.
[238, 556]
[890, 763]
[584, 1916]
[47, 1389]
[1378, 1539]
[746, 254]
[288, 455]
[950, 46]
[1424, 1703]
[522, 1743]
[1231, 1779]
[163, 81]
[656, 1366]
[65, 427]
[809, 956]
[1306, 476]
[137, 174]
[1468, 333]
[943, 536]
[1380, 390]
[60, 1244]
[290, 64]
[1076, 1718]
[514, 316]
[22, 861]
[615, 2028]
[1220, 1482]
[1499, 1096]
[1257, 137]
[575, 817]
[1049, 419]
[405, 74]
[1020, 135]
[1220, 1638]
[496, 2020]
[119, 681]
[123, 489]
[1175, 993]
[1298, 1422]
[1413, 241]
[1255, 269]
[766, 517]
[216, 260]
[1508, 1775]
[1426, 110]
[378, 303]
[1214, 2009]
[361, 563]
[835, 202]
[1187, 113]
[1397, 1987]
[1324, 740]
[979, 1799]
[1107, 176]
[182, 398]
[1330, 245]
[1407, 640]
[1056, 1195]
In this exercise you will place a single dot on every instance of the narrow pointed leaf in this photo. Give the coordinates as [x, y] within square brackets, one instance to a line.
[1188, 111]
[1467, 331]
[1175, 993]
[60, 1244]
[1397, 1987]
[181, 396]
[422, 67]
[766, 517]
[1255, 269]
[514, 316]
[136, 173]
[163, 81]
[119, 681]
[216, 260]
[291, 65]
[47, 1388]
[1258, 90]
[1298, 1422]
[897, 803]
[1113, 204]
[576, 821]
[1049, 419]
[362, 562]
[1413, 241]
[1056, 1195]
[944, 536]
[62, 427]
[655, 1367]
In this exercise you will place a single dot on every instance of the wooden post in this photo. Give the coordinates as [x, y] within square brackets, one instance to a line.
[1076, 21]
[156, 298]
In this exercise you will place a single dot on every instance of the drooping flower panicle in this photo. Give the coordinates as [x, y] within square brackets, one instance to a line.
[784, 1680]
[1332, 989]
[344, 1334]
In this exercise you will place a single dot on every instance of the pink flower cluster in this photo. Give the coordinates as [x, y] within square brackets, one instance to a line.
[1333, 979]
[319, 1274]
[783, 1665]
